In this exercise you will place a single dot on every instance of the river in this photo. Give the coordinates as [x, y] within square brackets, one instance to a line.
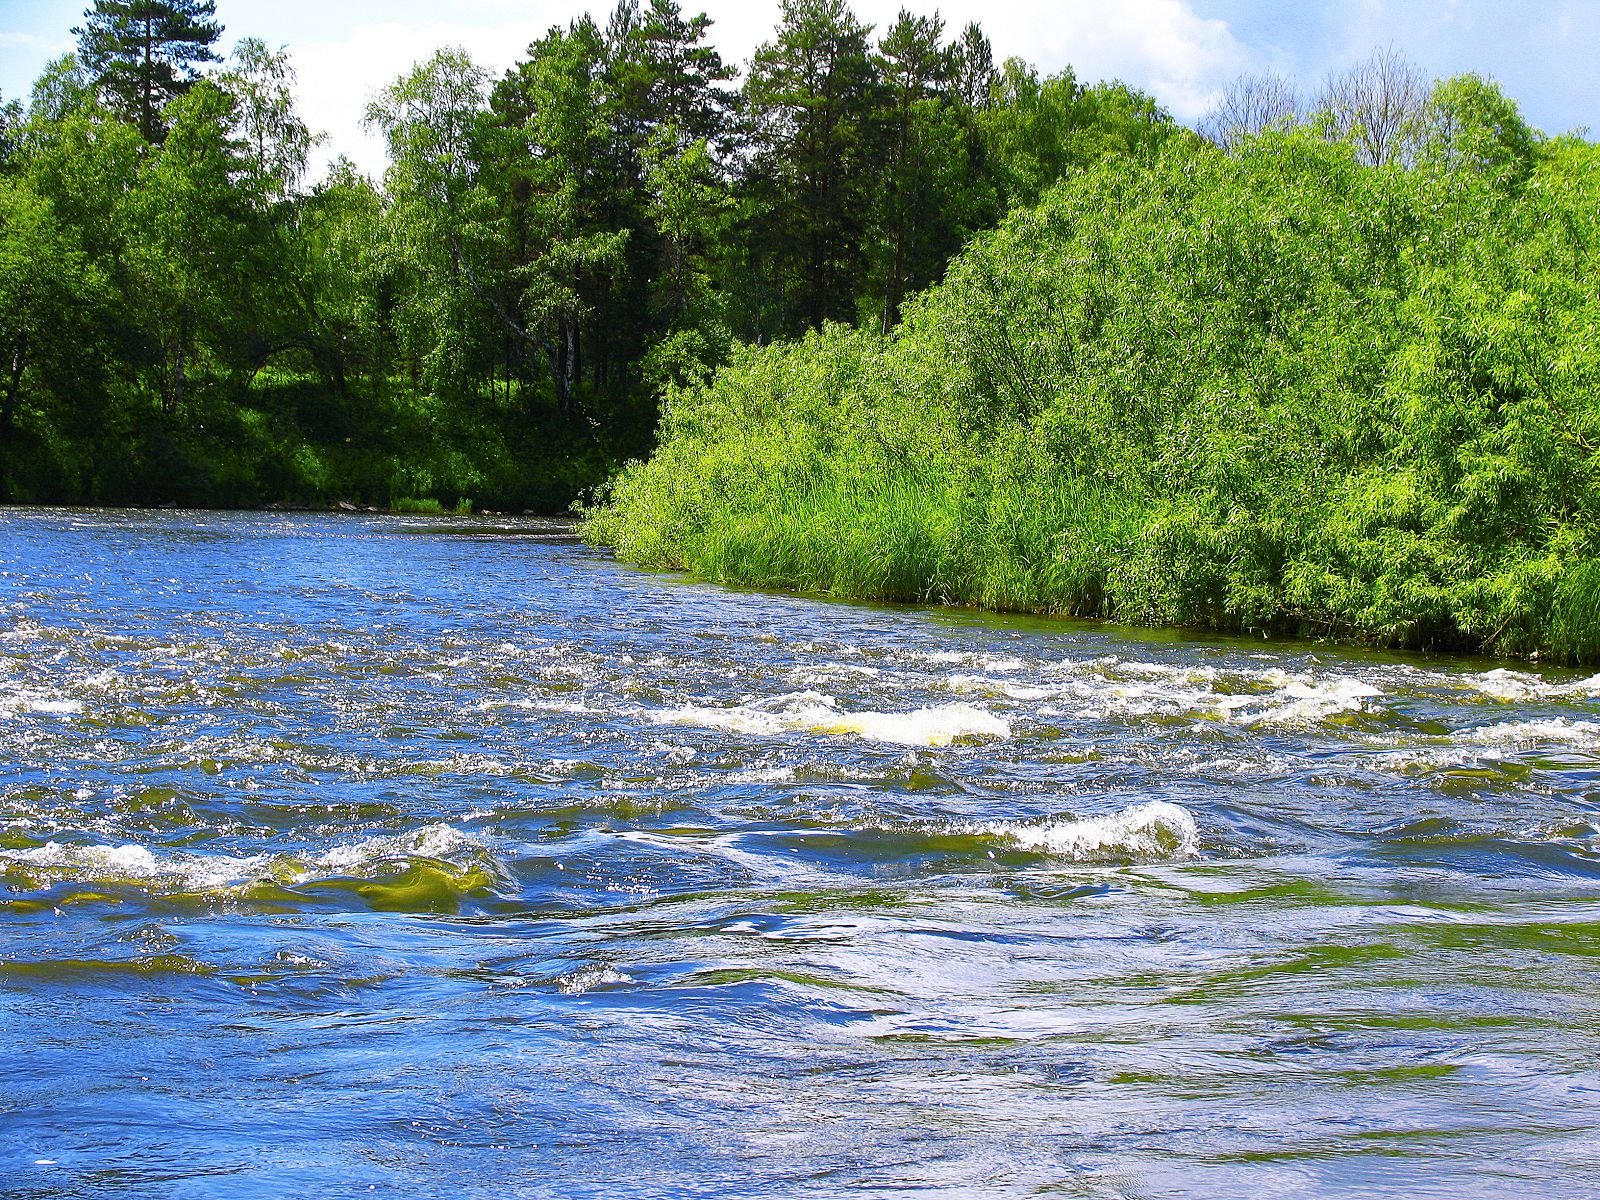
[347, 855]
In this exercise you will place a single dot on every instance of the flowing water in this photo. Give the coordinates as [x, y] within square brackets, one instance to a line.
[361, 855]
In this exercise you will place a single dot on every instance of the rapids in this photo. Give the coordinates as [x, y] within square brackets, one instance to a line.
[420, 856]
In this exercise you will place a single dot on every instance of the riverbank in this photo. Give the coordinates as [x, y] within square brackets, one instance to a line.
[1273, 391]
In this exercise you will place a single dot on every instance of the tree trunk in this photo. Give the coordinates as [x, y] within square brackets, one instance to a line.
[8, 410]
[569, 365]
[179, 364]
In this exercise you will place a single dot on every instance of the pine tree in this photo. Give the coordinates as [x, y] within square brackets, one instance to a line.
[812, 99]
[144, 52]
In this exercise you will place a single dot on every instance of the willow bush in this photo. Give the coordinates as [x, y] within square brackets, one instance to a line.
[1273, 390]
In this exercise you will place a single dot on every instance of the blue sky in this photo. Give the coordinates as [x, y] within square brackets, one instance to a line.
[1183, 51]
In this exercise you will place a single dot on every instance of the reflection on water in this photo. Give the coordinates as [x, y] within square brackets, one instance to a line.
[371, 853]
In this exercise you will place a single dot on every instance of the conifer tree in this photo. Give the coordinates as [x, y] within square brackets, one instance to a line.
[142, 53]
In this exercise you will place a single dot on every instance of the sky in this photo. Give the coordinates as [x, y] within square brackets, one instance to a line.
[1181, 51]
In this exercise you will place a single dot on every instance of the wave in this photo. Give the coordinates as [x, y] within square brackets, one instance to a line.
[813, 712]
[1110, 687]
[1514, 686]
[17, 701]
[427, 869]
[1155, 831]
[1561, 731]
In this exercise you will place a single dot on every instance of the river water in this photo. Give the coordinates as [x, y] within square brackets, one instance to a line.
[349, 855]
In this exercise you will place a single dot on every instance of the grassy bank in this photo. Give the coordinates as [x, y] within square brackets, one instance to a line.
[1275, 390]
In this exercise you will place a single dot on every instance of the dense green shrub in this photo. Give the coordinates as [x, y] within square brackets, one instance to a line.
[1270, 390]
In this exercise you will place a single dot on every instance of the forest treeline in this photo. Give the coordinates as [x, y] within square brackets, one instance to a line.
[1333, 371]
[186, 317]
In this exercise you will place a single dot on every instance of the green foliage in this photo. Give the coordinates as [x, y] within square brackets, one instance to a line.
[142, 53]
[1472, 125]
[1273, 390]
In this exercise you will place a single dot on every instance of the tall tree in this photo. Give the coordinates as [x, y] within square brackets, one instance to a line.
[1250, 105]
[432, 118]
[556, 169]
[1379, 105]
[812, 99]
[10, 130]
[196, 261]
[972, 68]
[916, 73]
[1470, 124]
[1037, 131]
[261, 81]
[144, 53]
[48, 289]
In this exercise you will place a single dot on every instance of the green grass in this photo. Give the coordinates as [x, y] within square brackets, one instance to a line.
[430, 507]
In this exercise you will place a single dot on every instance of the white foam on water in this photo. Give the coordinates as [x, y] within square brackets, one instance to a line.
[59, 708]
[1512, 686]
[586, 978]
[985, 685]
[137, 864]
[210, 872]
[438, 841]
[1110, 687]
[813, 712]
[825, 673]
[1157, 830]
[15, 701]
[1303, 702]
[1557, 730]
[994, 664]
[764, 775]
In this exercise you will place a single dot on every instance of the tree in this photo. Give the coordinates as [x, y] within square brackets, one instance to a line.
[1250, 105]
[279, 144]
[915, 70]
[972, 68]
[431, 118]
[691, 207]
[200, 237]
[1378, 104]
[812, 102]
[1470, 124]
[143, 53]
[684, 74]
[1036, 132]
[10, 130]
[47, 289]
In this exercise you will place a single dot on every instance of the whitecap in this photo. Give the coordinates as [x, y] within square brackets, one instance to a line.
[764, 775]
[1156, 830]
[984, 685]
[1514, 686]
[141, 865]
[1558, 730]
[589, 977]
[1300, 702]
[813, 712]
[15, 701]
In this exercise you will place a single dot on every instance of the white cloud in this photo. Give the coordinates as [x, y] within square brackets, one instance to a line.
[1162, 46]
[337, 79]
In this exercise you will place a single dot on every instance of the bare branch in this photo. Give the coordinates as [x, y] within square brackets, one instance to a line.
[1378, 104]
[1250, 105]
